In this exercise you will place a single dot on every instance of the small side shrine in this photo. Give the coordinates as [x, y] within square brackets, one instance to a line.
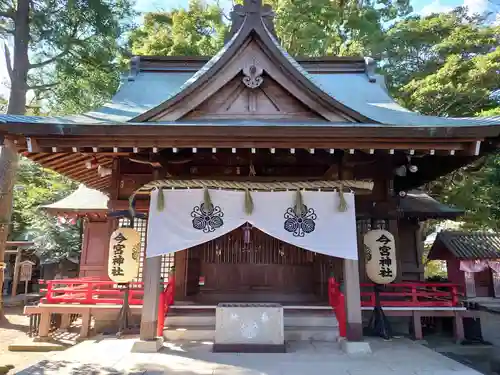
[472, 260]
[258, 175]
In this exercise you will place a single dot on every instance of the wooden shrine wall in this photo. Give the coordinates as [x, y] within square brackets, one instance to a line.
[95, 248]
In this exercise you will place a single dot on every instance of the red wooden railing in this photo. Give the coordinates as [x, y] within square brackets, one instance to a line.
[336, 299]
[166, 300]
[90, 292]
[412, 294]
[94, 290]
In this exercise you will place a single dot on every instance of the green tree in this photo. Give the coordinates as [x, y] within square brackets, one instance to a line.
[305, 28]
[339, 28]
[444, 64]
[60, 42]
[35, 187]
[197, 31]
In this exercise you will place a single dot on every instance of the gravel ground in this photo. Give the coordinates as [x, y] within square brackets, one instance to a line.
[13, 328]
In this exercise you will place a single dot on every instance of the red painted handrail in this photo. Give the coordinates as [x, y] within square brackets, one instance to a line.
[90, 292]
[412, 294]
[336, 299]
[166, 300]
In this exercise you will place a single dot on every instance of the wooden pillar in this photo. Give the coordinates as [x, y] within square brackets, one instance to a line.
[44, 327]
[417, 325]
[8, 167]
[459, 327]
[149, 318]
[85, 329]
[65, 321]
[353, 300]
[15, 280]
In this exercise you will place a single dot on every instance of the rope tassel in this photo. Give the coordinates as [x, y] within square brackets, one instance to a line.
[160, 203]
[342, 207]
[248, 202]
[207, 201]
[299, 204]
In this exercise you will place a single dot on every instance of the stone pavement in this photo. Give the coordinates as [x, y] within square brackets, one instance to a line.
[112, 356]
[18, 300]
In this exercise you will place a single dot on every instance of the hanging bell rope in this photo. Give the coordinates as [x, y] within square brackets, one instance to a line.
[299, 203]
[342, 207]
[160, 203]
[248, 202]
[207, 201]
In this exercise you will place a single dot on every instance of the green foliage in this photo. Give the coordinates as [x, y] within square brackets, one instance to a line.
[73, 49]
[35, 187]
[197, 31]
[444, 64]
[341, 28]
[476, 189]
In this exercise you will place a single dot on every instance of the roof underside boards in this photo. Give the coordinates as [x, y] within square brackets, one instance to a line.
[82, 199]
[417, 204]
[73, 166]
[468, 246]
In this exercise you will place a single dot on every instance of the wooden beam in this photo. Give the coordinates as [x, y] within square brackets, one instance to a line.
[15, 281]
[268, 143]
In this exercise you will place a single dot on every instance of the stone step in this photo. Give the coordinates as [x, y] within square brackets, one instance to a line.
[292, 333]
[303, 320]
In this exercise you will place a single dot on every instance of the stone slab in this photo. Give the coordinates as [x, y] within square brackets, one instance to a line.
[355, 347]
[150, 346]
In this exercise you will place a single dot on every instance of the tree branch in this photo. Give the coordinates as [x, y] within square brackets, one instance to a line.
[43, 87]
[51, 60]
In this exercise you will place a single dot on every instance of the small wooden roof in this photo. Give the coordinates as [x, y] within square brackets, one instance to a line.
[466, 246]
[82, 201]
[418, 204]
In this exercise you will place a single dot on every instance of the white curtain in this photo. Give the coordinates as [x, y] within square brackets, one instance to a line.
[494, 265]
[473, 265]
[184, 222]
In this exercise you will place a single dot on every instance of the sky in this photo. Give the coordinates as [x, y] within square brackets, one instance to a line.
[419, 6]
[423, 7]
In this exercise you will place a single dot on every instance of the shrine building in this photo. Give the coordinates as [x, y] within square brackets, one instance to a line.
[252, 177]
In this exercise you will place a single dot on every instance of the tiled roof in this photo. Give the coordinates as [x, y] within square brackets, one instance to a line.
[463, 245]
[82, 199]
[420, 205]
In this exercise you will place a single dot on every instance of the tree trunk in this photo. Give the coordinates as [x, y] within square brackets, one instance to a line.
[17, 106]
[21, 64]
[8, 166]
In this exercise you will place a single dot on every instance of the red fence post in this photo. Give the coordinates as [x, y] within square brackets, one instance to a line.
[161, 313]
[88, 294]
[454, 296]
[337, 301]
[48, 296]
[341, 315]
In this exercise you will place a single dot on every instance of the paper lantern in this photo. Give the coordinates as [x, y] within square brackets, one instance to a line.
[124, 255]
[380, 256]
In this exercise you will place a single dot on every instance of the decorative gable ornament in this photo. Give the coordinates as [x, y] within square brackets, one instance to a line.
[253, 76]
[124, 255]
[380, 256]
